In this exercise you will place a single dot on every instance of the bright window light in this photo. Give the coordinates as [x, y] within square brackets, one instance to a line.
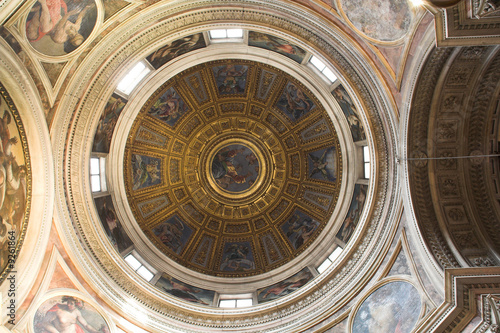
[335, 254]
[133, 262]
[95, 177]
[234, 33]
[366, 162]
[227, 34]
[317, 63]
[329, 74]
[132, 79]
[218, 33]
[320, 65]
[145, 273]
[243, 303]
[324, 265]
[227, 303]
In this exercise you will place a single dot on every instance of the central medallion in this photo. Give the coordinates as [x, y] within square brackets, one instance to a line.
[235, 168]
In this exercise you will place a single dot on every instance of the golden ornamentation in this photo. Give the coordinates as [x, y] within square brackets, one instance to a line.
[236, 120]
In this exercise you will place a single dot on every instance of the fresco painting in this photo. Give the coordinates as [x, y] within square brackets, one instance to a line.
[284, 287]
[169, 108]
[185, 291]
[146, 171]
[384, 20]
[294, 102]
[358, 201]
[113, 227]
[68, 314]
[299, 228]
[58, 27]
[350, 112]
[237, 257]
[323, 164]
[173, 233]
[230, 79]
[107, 123]
[176, 48]
[394, 307]
[276, 44]
[235, 168]
[13, 174]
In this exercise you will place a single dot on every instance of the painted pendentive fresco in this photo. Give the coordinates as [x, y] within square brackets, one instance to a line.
[276, 44]
[358, 201]
[113, 227]
[235, 168]
[169, 107]
[68, 314]
[185, 291]
[237, 256]
[146, 171]
[384, 20]
[231, 79]
[322, 164]
[294, 102]
[13, 179]
[58, 27]
[299, 228]
[394, 307]
[350, 112]
[284, 287]
[177, 48]
[173, 233]
[107, 123]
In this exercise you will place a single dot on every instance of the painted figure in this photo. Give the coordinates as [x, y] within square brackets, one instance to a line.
[47, 19]
[169, 107]
[237, 257]
[185, 291]
[300, 230]
[294, 102]
[175, 49]
[170, 234]
[284, 287]
[107, 123]
[67, 318]
[146, 172]
[231, 79]
[276, 44]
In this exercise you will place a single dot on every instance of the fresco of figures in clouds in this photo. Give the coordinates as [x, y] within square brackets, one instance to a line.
[276, 44]
[175, 49]
[68, 314]
[185, 291]
[358, 201]
[350, 112]
[13, 176]
[394, 307]
[383, 20]
[284, 287]
[58, 27]
[107, 123]
[113, 227]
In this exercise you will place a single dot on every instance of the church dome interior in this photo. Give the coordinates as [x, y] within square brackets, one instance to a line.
[249, 166]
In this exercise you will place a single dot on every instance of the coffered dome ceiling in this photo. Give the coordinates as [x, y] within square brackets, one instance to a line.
[232, 168]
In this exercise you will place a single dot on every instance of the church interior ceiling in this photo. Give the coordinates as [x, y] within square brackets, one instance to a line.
[334, 164]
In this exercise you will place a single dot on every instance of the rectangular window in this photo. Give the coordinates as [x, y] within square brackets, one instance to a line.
[133, 78]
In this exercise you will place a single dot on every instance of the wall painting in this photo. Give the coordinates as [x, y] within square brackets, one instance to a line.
[351, 221]
[394, 307]
[14, 177]
[68, 314]
[299, 228]
[107, 123]
[350, 112]
[294, 102]
[284, 287]
[276, 44]
[176, 48]
[169, 107]
[230, 79]
[237, 257]
[185, 291]
[146, 171]
[173, 233]
[323, 164]
[113, 227]
[58, 27]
